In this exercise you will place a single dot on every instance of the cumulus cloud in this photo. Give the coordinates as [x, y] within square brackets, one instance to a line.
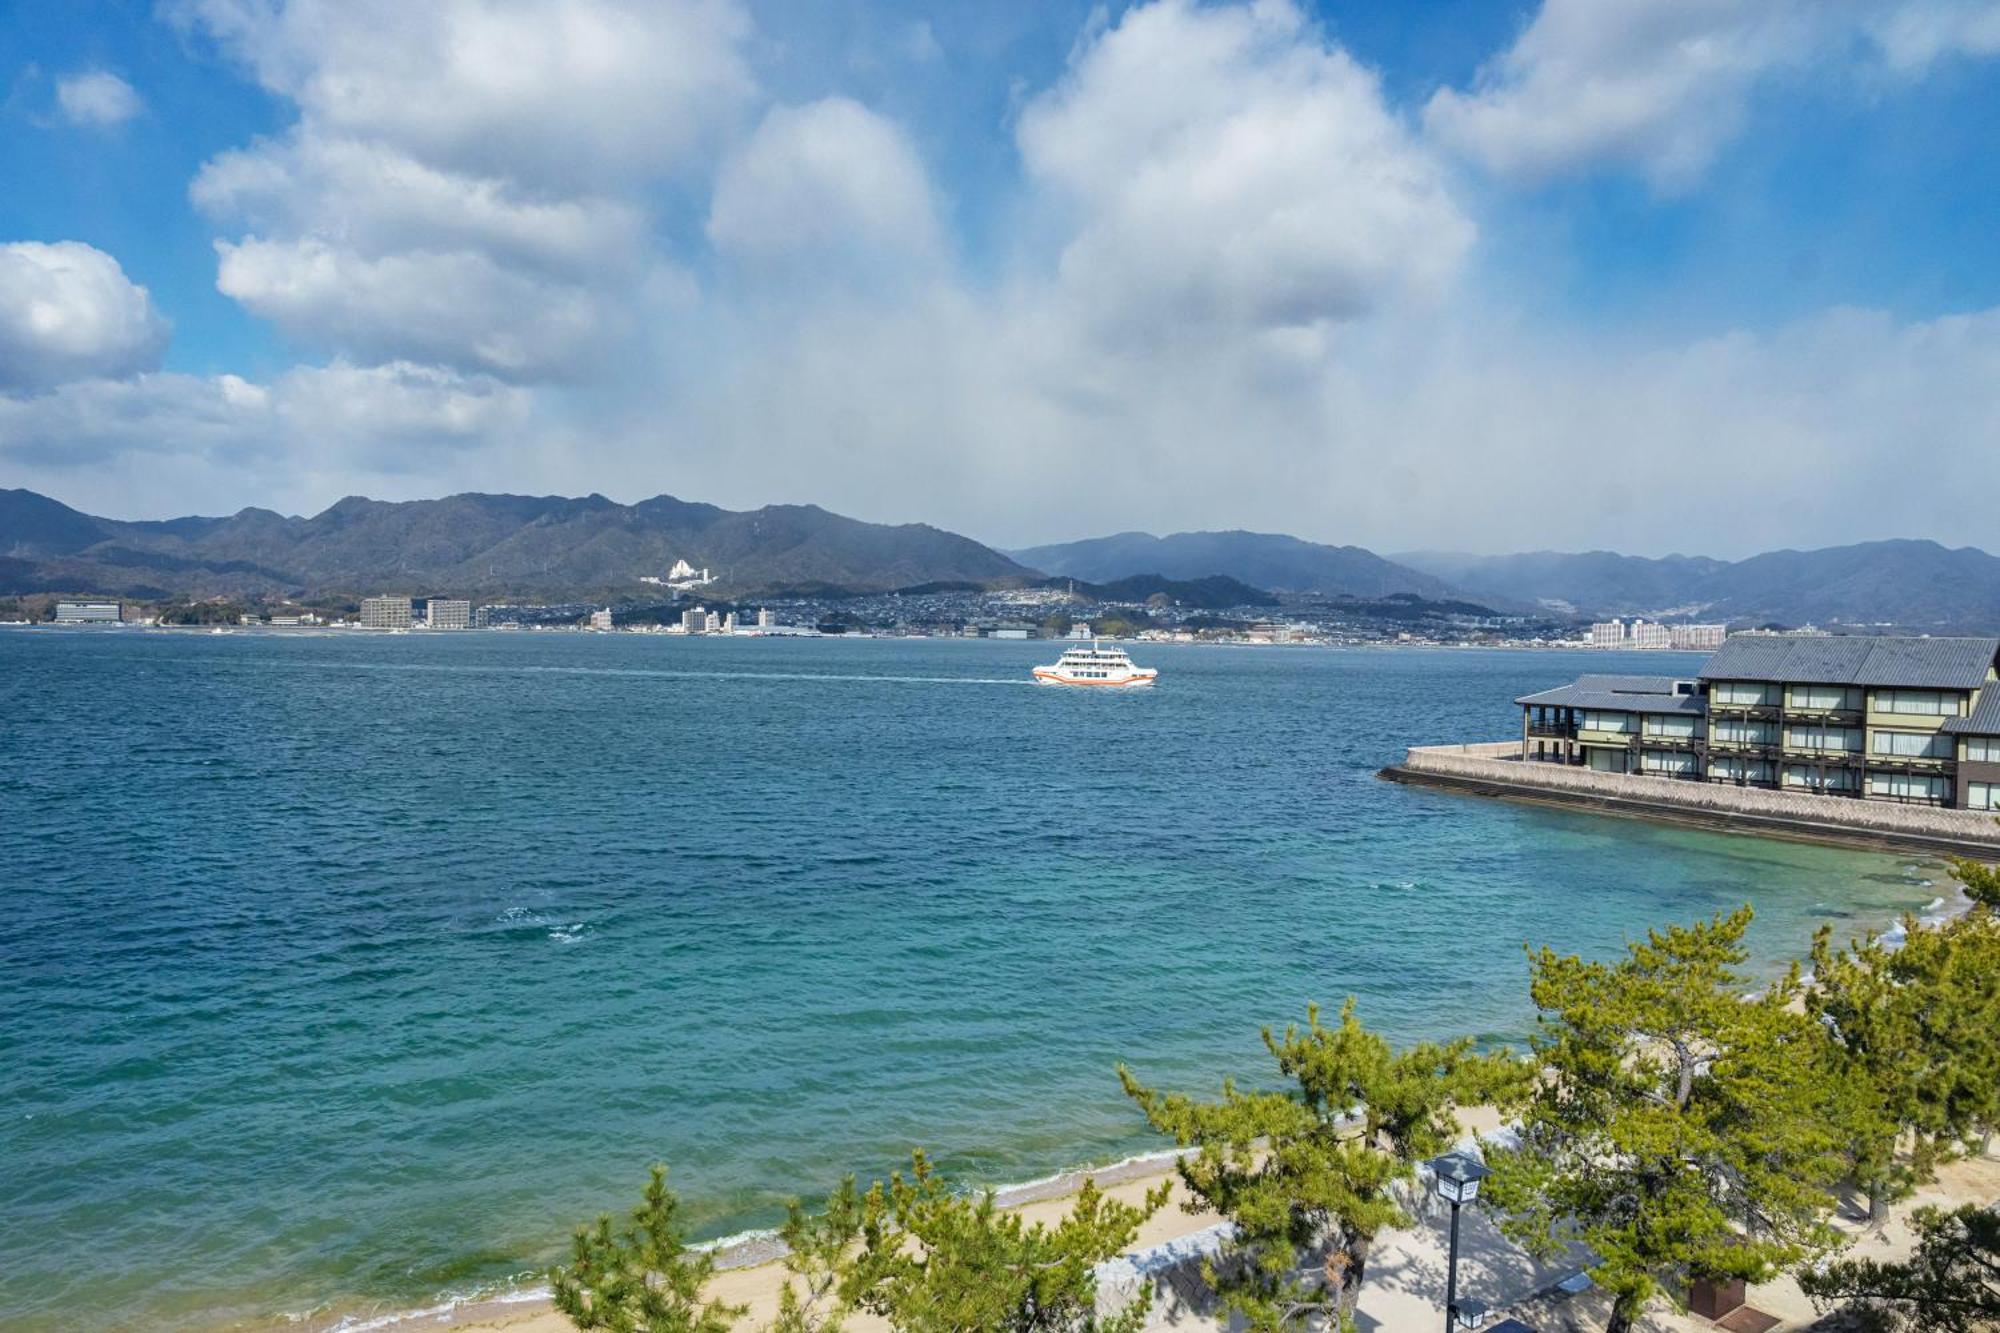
[827, 181]
[1226, 165]
[565, 97]
[459, 308]
[1660, 86]
[467, 182]
[96, 99]
[67, 311]
[387, 418]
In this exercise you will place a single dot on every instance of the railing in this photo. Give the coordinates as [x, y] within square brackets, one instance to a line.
[1552, 731]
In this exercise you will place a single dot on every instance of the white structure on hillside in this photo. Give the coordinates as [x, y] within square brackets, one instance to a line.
[87, 613]
[681, 577]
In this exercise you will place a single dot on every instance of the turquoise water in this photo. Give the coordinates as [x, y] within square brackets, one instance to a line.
[343, 972]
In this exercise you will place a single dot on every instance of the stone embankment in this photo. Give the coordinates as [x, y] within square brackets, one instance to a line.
[1496, 769]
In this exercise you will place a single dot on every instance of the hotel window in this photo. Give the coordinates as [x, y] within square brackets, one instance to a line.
[1740, 770]
[1665, 761]
[1833, 779]
[1743, 693]
[1826, 740]
[1608, 761]
[1908, 786]
[1737, 732]
[1982, 749]
[1980, 795]
[1822, 697]
[1677, 728]
[1622, 723]
[1911, 744]
[1917, 703]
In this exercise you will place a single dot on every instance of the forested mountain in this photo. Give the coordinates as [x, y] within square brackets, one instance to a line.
[482, 545]
[1263, 560]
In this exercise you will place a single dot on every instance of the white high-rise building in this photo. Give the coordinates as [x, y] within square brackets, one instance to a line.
[448, 613]
[1699, 638]
[87, 613]
[1649, 634]
[1608, 634]
[385, 613]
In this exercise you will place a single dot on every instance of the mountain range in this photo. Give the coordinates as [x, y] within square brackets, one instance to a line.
[573, 549]
[479, 545]
[1261, 559]
[1913, 585]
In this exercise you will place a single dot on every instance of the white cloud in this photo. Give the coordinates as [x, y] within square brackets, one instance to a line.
[562, 96]
[387, 418]
[96, 99]
[1661, 86]
[1226, 166]
[459, 308]
[67, 311]
[828, 181]
[468, 183]
[379, 200]
[1916, 33]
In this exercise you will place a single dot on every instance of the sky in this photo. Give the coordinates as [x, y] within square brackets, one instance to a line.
[1705, 276]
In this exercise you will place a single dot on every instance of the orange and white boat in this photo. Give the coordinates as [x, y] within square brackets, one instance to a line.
[1095, 665]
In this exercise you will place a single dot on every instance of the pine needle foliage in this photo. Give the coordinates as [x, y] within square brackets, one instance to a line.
[1678, 1129]
[935, 1261]
[1312, 1170]
[1950, 1284]
[818, 1250]
[1919, 1023]
[641, 1278]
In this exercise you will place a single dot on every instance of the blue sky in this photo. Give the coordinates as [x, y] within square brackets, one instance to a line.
[1456, 274]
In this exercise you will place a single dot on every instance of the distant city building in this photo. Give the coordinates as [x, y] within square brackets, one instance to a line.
[695, 620]
[87, 613]
[766, 617]
[729, 623]
[1080, 630]
[1648, 634]
[385, 613]
[448, 613]
[1608, 634]
[601, 619]
[1700, 638]
[712, 622]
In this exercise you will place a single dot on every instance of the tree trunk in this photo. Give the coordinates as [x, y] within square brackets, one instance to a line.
[1624, 1313]
[1351, 1272]
[1878, 1203]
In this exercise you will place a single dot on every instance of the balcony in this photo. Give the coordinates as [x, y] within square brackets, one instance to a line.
[1551, 731]
[1748, 712]
[1829, 717]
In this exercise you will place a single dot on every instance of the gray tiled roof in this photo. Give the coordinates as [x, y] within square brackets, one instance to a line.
[1985, 718]
[1630, 684]
[1854, 660]
[1623, 701]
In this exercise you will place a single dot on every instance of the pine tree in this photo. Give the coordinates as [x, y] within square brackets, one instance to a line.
[931, 1261]
[1950, 1284]
[1313, 1170]
[818, 1257]
[1920, 1021]
[641, 1279]
[1678, 1128]
[1982, 882]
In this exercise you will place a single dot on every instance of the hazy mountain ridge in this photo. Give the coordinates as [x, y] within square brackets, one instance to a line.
[1912, 584]
[1264, 560]
[482, 545]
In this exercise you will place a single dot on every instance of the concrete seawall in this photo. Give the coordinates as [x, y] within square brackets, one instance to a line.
[1496, 769]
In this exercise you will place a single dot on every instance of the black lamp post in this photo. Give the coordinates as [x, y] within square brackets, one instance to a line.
[1456, 1178]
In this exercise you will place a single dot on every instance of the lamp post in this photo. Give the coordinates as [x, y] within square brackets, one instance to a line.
[1456, 1178]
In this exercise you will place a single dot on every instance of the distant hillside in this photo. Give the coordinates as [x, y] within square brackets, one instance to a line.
[1263, 560]
[1913, 585]
[1600, 581]
[482, 545]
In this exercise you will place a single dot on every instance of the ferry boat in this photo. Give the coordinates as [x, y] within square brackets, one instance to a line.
[1096, 665]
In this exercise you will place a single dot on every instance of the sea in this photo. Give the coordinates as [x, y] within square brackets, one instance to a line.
[345, 974]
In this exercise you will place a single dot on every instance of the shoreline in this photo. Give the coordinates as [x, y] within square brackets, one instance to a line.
[749, 1263]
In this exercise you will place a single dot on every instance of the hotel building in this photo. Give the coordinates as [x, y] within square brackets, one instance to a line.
[448, 613]
[88, 613]
[385, 613]
[1915, 721]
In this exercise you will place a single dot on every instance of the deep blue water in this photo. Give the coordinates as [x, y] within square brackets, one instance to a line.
[345, 971]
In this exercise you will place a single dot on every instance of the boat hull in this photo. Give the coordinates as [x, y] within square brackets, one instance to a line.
[1134, 682]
